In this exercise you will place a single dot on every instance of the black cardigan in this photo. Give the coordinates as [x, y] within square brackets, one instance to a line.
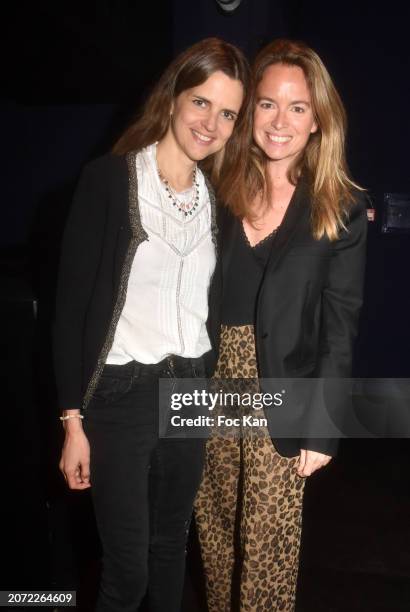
[102, 235]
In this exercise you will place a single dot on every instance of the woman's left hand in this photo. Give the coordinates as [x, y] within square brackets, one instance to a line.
[310, 461]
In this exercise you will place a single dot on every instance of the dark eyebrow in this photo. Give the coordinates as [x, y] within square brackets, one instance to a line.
[259, 98]
[209, 102]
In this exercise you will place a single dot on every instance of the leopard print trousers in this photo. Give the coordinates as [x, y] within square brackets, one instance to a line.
[249, 507]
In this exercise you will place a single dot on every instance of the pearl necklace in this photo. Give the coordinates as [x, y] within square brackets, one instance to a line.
[186, 208]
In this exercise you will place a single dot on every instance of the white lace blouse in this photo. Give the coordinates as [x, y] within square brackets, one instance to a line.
[167, 297]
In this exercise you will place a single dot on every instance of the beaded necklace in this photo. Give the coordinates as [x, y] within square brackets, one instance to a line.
[186, 208]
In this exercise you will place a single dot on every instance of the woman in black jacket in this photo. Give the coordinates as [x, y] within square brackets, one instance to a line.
[291, 276]
[132, 305]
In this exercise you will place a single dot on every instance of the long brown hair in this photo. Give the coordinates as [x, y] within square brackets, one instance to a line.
[323, 161]
[190, 69]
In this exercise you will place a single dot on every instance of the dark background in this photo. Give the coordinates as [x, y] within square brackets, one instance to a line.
[73, 74]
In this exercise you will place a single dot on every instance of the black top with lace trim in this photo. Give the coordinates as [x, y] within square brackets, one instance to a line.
[244, 276]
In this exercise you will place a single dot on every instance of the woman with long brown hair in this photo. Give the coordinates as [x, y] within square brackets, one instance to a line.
[132, 306]
[291, 273]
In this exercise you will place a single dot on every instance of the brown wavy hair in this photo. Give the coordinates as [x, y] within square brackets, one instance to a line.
[322, 162]
[190, 69]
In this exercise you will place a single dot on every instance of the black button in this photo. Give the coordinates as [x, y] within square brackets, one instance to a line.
[265, 335]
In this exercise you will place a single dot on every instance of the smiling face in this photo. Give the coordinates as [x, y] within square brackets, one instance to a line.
[203, 118]
[284, 119]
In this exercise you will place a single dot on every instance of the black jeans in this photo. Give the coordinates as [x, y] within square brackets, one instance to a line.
[143, 487]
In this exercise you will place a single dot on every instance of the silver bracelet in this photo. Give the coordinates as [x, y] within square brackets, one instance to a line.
[71, 416]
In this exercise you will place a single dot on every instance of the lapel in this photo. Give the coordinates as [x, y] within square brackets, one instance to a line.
[214, 226]
[138, 232]
[228, 236]
[297, 213]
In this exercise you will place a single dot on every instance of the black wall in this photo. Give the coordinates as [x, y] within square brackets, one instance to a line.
[72, 75]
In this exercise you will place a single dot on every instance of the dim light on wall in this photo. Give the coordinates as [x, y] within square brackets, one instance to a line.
[228, 6]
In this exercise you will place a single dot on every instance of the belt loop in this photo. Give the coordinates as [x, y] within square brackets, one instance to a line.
[136, 370]
[171, 365]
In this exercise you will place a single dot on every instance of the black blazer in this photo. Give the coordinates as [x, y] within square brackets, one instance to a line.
[309, 302]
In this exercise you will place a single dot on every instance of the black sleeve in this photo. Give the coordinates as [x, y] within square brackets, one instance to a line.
[341, 303]
[79, 261]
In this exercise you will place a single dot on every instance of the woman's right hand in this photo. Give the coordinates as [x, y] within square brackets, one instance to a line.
[75, 457]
